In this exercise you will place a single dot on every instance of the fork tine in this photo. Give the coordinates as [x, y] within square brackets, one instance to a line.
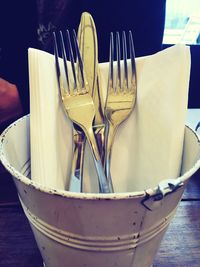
[71, 58]
[80, 62]
[118, 53]
[125, 59]
[56, 57]
[132, 56]
[111, 60]
[58, 73]
[63, 50]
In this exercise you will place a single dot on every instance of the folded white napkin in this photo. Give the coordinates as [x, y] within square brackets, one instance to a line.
[50, 129]
[148, 146]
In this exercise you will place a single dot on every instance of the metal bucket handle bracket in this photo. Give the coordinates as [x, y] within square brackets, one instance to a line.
[164, 188]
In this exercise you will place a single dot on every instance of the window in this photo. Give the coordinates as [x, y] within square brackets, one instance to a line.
[182, 24]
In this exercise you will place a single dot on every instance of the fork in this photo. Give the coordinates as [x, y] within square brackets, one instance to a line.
[77, 101]
[121, 93]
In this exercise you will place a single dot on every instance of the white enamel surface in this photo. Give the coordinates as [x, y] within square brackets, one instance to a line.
[74, 229]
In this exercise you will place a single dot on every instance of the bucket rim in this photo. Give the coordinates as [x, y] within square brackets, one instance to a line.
[90, 196]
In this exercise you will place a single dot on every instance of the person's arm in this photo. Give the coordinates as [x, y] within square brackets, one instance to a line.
[10, 105]
[18, 32]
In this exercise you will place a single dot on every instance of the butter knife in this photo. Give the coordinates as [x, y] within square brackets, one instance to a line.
[87, 39]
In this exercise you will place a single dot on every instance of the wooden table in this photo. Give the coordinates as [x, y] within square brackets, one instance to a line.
[180, 246]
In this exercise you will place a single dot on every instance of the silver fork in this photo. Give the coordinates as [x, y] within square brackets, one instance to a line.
[77, 101]
[121, 93]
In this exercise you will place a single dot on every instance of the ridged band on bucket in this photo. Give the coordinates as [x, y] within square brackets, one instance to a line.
[97, 243]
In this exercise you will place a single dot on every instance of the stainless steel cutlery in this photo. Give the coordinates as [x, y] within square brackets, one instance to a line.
[121, 92]
[78, 102]
[80, 90]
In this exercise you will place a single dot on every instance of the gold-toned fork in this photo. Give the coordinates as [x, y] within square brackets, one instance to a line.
[77, 101]
[121, 93]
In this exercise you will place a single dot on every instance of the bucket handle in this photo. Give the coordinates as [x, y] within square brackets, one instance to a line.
[164, 188]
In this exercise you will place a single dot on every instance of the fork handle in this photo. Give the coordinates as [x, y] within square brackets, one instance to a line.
[109, 138]
[103, 183]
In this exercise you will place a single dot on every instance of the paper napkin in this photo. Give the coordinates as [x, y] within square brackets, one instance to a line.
[148, 145]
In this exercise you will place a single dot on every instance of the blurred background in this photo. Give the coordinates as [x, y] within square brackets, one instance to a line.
[182, 25]
[182, 22]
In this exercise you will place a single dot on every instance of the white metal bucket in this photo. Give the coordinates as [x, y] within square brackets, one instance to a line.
[101, 230]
